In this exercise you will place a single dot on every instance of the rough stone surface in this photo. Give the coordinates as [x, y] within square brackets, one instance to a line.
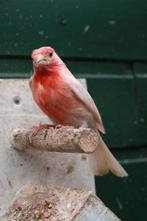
[43, 203]
[58, 139]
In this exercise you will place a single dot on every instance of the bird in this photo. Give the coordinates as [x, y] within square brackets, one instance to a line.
[66, 102]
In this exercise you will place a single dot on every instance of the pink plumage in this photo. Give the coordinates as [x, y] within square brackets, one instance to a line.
[65, 101]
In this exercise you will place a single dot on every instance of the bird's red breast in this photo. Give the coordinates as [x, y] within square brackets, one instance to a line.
[55, 98]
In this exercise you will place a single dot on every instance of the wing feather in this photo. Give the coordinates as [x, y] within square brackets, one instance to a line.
[30, 82]
[83, 95]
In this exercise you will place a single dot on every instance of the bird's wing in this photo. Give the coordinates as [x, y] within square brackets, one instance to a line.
[83, 95]
[30, 82]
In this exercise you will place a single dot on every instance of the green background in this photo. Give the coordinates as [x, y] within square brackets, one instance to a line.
[105, 42]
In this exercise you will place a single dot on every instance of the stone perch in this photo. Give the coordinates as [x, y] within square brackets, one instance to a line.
[44, 203]
[56, 139]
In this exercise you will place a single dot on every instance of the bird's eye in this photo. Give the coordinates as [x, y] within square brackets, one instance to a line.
[50, 54]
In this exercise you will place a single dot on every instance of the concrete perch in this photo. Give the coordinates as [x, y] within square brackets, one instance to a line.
[44, 203]
[56, 139]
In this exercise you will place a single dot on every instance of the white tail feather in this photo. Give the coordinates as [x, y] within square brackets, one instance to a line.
[102, 161]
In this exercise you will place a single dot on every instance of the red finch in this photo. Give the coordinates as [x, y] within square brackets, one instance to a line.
[65, 101]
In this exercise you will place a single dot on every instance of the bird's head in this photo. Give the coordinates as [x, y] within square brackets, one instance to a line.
[44, 58]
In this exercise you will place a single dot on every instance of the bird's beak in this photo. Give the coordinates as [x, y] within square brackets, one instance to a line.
[40, 60]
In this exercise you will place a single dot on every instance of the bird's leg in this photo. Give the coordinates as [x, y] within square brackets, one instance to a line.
[37, 128]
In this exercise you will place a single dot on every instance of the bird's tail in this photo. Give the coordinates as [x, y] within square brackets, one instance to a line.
[102, 161]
